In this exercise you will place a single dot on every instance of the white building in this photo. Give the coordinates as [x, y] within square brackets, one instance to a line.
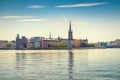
[99, 45]
[34, 42]
[115, 43]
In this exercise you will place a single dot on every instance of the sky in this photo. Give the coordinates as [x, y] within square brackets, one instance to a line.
[96, 20]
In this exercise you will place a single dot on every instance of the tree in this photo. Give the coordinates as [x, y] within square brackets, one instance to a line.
[83, 45]
[59, 45]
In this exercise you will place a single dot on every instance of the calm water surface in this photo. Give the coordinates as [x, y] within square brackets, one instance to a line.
[91, 64]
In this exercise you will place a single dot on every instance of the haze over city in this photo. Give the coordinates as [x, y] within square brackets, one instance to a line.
[97, 20]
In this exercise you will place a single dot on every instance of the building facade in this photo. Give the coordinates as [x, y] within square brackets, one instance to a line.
[70, 36]
[76, 43]
[21, 43]
[3, 44]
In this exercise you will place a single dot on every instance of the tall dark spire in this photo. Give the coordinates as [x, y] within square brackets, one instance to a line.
[70, 26]
[49, 35]
[70, 35]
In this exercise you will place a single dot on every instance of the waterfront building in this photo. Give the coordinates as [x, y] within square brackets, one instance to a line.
[108, 44]
[76, 43]
[115, 43]
[3, 44]
[48, 43]
[44, 44]
[59, 42]
[30, 45]
[65, 41]
[56, 43]
[84, 42]
[34, 42]
[11, 44]
[21, 43]
[100, 45]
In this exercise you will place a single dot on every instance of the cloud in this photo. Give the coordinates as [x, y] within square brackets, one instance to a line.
[36, 6]
[15, 17]
[81, 5]
[31, 20]
[22, 18]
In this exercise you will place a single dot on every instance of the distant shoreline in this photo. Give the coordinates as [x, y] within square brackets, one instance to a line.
[58, 48]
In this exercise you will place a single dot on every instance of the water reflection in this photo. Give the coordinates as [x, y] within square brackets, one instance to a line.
[60, 65]
[71, 65]
[20, 60]
[20, 56]
[77, 64]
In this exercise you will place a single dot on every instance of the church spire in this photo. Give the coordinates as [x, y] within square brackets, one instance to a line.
[70, 35]
[70, 26]
[50, 35]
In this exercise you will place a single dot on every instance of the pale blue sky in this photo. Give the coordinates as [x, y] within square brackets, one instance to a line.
[97, 20]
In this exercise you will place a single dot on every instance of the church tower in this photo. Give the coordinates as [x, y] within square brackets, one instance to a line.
[70, 33]
[70, 36]
[18, 37]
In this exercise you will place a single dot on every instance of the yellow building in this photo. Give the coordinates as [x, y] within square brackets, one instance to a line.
[76, 43]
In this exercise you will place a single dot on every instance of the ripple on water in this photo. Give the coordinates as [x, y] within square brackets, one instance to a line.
[60, 65]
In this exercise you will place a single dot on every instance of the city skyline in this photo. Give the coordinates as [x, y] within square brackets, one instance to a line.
[97, 20]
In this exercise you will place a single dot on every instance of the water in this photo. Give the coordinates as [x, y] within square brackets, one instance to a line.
[91, 64]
